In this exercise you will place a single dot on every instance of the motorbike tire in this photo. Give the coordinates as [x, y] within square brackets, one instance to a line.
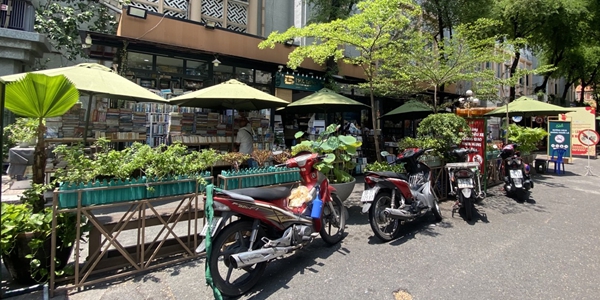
[522, 195]
[382, 201]
[330, 222]
[468, 205]
[227, 243]
[436, 210]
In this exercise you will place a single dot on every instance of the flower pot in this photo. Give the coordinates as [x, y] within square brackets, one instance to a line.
[18, 265]
[344, 189]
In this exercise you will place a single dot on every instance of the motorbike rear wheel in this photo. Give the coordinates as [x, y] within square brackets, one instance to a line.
[383, 227]
[233, 239]
[468, 205]
[332, 231]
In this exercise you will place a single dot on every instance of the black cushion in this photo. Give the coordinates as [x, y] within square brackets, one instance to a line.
[265, 194]
[390, 174]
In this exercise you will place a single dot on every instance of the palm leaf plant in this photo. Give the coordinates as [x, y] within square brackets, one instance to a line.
[39, 96]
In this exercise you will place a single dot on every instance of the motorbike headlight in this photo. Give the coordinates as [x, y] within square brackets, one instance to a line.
[466, 192]
[518, 162]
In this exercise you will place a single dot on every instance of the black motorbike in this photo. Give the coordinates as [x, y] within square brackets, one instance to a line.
[517, 179]
[392, 199]
[465, 182]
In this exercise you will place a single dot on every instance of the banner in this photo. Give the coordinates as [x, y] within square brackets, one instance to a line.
[582, 118]
[477, 141]
[559, 137]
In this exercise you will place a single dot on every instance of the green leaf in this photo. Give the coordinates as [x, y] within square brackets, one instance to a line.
[40, 96]
[299, 134]
[347, 139]
[330, 157]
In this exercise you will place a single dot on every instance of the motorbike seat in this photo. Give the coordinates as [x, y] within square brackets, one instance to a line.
[390, 174]
[264, 194]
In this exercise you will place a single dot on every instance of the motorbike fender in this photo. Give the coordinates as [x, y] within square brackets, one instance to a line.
[426, 195]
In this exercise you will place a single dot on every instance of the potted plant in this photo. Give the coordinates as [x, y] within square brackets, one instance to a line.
[261, 156]
[338, 164]
[23, 132]
[527, 139]
[38, 97]
[443, 131]
[26, 243]
[433, 158]
[384, 166]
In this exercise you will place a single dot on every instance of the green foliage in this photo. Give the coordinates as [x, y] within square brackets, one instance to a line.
[137, 160]
[384, 166]
[442, 131]
[20, 218]
[61, 21]
[23, 130]
[527, 138]
[339, 150]
[40, 96]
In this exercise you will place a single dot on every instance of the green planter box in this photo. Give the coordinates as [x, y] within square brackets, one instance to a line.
[255, 177]
[116, 191]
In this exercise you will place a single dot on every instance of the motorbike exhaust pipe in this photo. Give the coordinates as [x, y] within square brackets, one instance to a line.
[244, 259]
[399, 214]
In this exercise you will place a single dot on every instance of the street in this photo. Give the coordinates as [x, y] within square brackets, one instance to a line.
[547, 248]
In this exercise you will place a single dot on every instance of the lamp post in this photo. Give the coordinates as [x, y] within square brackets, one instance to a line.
[469, 101]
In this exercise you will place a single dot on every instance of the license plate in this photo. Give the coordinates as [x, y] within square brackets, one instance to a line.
[215, 224]
[465, 183]
[369, 195]
[516, 174]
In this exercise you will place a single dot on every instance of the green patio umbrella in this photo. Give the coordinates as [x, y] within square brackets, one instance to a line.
[97, 80]
[527, 107]
[412, 109]
[324, 100]
[230, 94]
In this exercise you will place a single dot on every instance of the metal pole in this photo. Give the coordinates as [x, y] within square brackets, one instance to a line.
[88, 113]
[2, 95]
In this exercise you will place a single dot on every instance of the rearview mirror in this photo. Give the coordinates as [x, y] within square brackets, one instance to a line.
[384, 153]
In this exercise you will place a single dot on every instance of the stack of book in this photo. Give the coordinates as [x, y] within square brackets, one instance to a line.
[175, 123]
[187, 123]
[125, 120]
[112, 120]
[72, 121]
[139, 122]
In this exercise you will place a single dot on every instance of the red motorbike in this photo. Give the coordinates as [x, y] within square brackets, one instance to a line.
[261, 226]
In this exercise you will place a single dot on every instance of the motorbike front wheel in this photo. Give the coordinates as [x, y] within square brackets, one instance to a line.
[385, 228]
[334, 224]
[235, 238]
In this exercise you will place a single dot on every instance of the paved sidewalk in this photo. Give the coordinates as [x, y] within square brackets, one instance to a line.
[186, 280]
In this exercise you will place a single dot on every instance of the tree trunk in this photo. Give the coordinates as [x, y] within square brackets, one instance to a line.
[563, 99]
[374, 118]
[513, 70]
[435, 99]
[39, 164]
[581, 99]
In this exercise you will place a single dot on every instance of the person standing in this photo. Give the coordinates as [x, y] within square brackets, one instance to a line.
[245, 141]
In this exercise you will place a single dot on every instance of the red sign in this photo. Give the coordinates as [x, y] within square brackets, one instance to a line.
[477, 141]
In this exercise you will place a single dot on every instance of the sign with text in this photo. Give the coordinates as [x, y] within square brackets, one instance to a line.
[477, 141]
[581, 119]
[559, 137]
[298, 82]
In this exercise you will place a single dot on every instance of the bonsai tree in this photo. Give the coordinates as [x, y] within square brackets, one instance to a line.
[527, 138]
[339, 150]
[261, 156]
[443, 131]
[39, 96]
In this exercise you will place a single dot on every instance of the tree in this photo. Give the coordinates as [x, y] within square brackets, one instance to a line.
[520, 20]
[61, 21]
[422, 59]
[567, 28]
[370, 31]
[39, 96]
[325, 11]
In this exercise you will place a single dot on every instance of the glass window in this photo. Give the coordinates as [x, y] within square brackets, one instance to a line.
[196, 68]
[139, 60]
[263, 77]
[222, 73]
[244, 75]
[169, 64]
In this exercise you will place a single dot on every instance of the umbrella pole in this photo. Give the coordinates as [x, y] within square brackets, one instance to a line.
[88, 113]
[507, 129]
